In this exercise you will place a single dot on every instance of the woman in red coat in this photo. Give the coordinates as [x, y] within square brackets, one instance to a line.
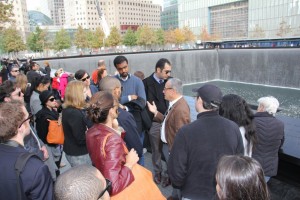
[105, 146]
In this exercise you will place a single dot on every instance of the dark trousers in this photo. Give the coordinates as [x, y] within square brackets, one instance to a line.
[156, 146]
[165, 150]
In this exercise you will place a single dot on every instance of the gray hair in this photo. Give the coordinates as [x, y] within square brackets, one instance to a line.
[176, 84]
[269, 103]
[109, 83]
[78, 183]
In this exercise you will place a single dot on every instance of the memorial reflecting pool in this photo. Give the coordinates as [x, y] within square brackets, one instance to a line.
[289, 98]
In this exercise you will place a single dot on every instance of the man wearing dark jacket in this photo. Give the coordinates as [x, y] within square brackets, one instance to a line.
[270, 135]
[154, 86]
[35, 180]
[199, 146]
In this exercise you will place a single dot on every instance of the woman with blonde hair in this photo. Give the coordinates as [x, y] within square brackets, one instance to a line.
[75, 124]
[22, 83]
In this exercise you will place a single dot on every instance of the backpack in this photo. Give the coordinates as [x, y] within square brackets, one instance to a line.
[19, 166]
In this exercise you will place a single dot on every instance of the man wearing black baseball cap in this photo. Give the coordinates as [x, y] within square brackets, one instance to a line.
[199, 145]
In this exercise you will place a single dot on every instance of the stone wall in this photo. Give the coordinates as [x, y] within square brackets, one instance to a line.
[277, 67]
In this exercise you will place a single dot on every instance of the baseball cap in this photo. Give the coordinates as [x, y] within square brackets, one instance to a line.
[210, 94]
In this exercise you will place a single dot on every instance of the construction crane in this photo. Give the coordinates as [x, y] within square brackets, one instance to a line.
[103, 20]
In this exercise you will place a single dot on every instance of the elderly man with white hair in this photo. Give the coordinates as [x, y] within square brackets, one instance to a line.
[270, 135]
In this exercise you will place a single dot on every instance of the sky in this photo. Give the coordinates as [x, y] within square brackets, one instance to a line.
[158, 2]
[39, 5]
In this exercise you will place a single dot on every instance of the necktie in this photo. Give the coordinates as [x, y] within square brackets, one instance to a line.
[161, 81]
[167, 112]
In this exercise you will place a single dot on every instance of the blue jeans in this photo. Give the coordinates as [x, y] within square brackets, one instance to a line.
[142, 158]
[79, 160]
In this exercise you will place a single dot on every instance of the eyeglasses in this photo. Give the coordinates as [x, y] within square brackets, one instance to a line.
[52, 99]
[15, 70]
[168, 71]
[107, 188]
[84, 79]
[28, 118]
[167, 88]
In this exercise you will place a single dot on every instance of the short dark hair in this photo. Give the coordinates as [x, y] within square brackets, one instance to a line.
[119, 59]
[40, 80]
[161, 63]
[78, 183]
[243, 174]
[79, 74]
[32, 64]
[6, 88]
[11, 115]
[208, 106]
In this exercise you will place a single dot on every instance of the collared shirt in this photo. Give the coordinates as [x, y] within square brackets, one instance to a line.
[163, 126]
[124, 79]
[157, 79]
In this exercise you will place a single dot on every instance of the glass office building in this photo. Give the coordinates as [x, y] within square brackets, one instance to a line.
[241, 19]
[169, 16]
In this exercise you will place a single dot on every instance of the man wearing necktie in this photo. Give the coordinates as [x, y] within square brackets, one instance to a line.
[177, 115]
[154, 86]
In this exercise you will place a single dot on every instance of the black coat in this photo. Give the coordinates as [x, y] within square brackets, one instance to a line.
[42, 123]
[132, 138]
[138, 109]
[154, 92]
[270, 137]
[35, 178]
[196, 151]
[75, 126]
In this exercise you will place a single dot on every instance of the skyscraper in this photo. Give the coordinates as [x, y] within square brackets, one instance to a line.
[120, 13]
[57, 11]
[239, 19]
[169, 15]
[20, 17]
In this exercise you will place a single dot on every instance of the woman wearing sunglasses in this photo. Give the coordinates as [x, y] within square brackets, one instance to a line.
[82, 75]
[48, 112]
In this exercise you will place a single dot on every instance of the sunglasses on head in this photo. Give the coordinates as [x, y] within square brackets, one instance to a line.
[84, 79]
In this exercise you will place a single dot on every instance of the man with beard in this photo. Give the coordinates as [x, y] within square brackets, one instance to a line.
[133, 87]
[133, 97]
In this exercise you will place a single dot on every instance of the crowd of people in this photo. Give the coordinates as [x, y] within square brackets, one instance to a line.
[228, 152]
